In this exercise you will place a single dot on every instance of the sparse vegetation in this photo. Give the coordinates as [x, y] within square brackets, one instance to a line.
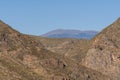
[28, 57]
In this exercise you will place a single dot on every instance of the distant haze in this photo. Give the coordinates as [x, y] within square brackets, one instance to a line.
[69, 33]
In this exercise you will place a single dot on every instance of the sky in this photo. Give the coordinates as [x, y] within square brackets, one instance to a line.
[37, 17]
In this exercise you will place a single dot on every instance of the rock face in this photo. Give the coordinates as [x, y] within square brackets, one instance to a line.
[104, 53]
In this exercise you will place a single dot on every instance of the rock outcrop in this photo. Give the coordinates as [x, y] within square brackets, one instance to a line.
[104, 53]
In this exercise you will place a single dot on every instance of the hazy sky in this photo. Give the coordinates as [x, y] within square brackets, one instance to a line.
[40, 16]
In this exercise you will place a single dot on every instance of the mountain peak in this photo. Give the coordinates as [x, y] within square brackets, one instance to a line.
[70, 33]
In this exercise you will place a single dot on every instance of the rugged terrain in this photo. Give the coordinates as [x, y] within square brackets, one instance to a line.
[25, 57]
[104, 53]
[75, 49]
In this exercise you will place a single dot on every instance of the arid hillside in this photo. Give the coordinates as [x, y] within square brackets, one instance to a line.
[104, 53]
[25, 57]
[73, 48]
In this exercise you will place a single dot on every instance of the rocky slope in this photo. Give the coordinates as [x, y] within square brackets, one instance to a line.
[73, 48]
[104, 53]
[23, 57]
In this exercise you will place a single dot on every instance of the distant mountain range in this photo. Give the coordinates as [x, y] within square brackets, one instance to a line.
[67, 33]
